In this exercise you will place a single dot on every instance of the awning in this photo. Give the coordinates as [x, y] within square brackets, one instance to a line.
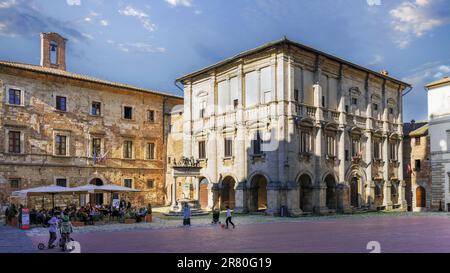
[39, 191]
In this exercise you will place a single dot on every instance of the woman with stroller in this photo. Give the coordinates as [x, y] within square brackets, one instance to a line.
[53, 222]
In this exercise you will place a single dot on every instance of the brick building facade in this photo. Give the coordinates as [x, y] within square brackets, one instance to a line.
[62, 128]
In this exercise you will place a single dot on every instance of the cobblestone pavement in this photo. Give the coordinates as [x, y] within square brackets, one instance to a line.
[14, 240]
[395, 233]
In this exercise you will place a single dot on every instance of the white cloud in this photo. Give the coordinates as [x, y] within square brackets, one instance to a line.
[140, 15]
[73, 2]
[377, 58]
[422, 3]
[104, 23]
[88, 36]
[7, 4]
[427, 72]
[176, 3]
[138, 47]
[413, 19]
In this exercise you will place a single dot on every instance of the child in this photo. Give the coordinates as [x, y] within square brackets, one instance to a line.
[66, 229]
[229, 217]
[53, 222]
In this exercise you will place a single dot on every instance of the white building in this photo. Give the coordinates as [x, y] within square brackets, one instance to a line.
[286, 125]
[439, 131]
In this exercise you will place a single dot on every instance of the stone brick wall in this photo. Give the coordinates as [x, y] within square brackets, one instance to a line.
[38, 120]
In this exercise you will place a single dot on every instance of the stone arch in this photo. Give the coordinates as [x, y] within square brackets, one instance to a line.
[227, 192]
[331, 191]
[305, 183]
[356, 181]
[258, 183]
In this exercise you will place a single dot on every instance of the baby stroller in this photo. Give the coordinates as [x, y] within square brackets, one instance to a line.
[216, 217]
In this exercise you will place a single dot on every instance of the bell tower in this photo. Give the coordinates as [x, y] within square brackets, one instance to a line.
[53, 50]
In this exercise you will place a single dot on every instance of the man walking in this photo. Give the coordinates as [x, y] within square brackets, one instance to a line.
[229, 217]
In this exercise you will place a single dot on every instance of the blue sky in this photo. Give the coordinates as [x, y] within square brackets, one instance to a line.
[150, 43]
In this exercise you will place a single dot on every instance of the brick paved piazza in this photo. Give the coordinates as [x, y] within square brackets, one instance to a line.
[405, 233]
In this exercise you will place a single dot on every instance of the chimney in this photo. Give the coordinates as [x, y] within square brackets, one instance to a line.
[53, 50]
[384, 72]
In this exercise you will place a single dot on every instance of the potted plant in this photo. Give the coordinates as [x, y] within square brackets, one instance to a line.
[76, 221]
[130, 218]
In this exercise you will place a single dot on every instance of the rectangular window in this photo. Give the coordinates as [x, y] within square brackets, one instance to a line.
[96, 147]
[202, 149]
[150, 151]
[127, 182]
[62, 182]
[391, 110]
[127, 112]
[96, 108]
[356, 147]
[266, 84]
[417, 141]
[305, 142]
[128, 149]
[392, 151]
[150, 183]
[346, 155]
[228, 147]
[296, 95]
[323, 101]
[235, 103]
[330, 146]
[251, 89]
[376, 150]
[61, 103]
[346, 109]
[151, 116]
[61, 145]
[417, 165]
[14, 184]
[15, 96]
[375, 107]
[257, 144]
[14, 142]
[354, 101]
[202, 109]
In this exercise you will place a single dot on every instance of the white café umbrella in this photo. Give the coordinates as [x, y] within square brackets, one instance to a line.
[42, 191]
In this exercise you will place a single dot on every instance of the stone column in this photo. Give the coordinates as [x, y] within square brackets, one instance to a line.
[370, 193]
[293, 199]
[273, 198]
[174, 195]
[320, 198]
[241, 198]
[402, 184]
[387, 183]
[343, 195]
[215, 195]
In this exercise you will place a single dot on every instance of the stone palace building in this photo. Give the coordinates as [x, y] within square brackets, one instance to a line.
[285, 128]
[439, 132]
[61, 128]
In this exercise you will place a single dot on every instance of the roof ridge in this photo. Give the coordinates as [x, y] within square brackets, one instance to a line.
[78, 76]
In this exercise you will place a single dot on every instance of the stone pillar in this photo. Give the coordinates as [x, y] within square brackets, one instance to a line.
[370, 193]
[372, 205]
[293, 199]
[320, 198]
[174, 195]
[241, 198]
[215, 190]
[341, 154]
[387, 183]
[273, 198]
[402, 184]
[343, 195]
